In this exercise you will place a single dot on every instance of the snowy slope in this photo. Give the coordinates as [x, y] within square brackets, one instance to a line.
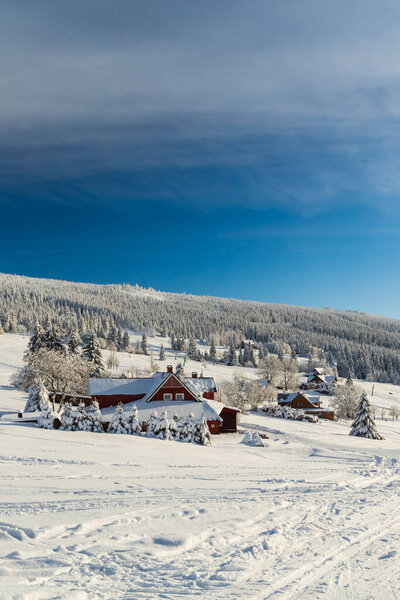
[312, 515]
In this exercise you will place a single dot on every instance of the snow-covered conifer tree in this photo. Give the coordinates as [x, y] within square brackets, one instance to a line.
[125, 340]
[92, 353]
[119, 422]
[162, 427]
[73, 343]
[37, 397]
[134, 427]
[46, 419]
[162, 353]
[93, 417]
[213, 351]
[364, 424]
[52, 341]
[152, 424]
[144, 345]
[36, 340]
[202, 433]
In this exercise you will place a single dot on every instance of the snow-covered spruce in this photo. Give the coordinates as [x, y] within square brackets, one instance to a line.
[134, 427]
[202, 433]
[46, 419]
[119, 421]
[161, 427]
[152, 424]
[70, 418]
[364, 424]
[92, 422]
[37, 397]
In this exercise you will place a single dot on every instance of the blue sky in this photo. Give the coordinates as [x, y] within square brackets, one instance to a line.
[222, 148]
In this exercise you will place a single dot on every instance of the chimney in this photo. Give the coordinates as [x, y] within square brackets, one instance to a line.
[169, 369]
[194, 374]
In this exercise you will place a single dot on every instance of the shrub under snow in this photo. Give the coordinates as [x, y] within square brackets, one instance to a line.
[37, 397]
[184, 429]
[46, 419]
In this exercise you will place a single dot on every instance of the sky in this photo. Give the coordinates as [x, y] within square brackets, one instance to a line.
[229, 148]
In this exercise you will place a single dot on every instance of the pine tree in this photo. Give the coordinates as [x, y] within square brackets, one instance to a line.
[92, 353]
[134, 427]
[162, 353]
[213, 351]
[46, 419]
[144, 345]
[37, 397]
[93, 418]
[36, 341]
[125, 340]
[51, 340]
[161, 428]
[202, 433]
[73, 343]
[119, 422]
[192, 350]
[152, 424]
[364, 424]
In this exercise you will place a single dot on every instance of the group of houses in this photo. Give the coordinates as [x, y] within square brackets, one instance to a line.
[313, 385]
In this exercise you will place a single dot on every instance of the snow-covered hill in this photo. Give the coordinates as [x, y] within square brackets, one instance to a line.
[312, 515]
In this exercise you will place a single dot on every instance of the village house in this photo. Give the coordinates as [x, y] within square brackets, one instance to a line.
[310, 404]
[318, 380]
[165, 391]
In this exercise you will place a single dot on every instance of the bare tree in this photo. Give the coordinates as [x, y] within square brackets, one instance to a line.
[395, 413]
[346, 399]
[271, 368]
[61, 374]
[289, 374]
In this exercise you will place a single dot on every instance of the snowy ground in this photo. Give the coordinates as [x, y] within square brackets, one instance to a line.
[312, 515]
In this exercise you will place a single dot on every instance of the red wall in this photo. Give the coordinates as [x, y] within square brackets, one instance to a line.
[209, 395]
[159, 395]
[105, 401]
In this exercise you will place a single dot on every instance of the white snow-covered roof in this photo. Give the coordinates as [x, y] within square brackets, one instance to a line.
[199, 385]
[288, 397]
[125, 387]
[172, 407]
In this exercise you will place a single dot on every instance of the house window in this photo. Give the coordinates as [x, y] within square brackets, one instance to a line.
[167, 396]
[179, 396]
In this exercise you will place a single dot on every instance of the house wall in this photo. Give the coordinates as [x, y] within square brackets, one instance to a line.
[159, 395]
[301, 402]
[229, 420]
[105, 401]
[209, 395]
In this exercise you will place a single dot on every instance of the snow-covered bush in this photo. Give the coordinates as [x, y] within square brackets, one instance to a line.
[152, 424]
[70, 418]
[202, 433]
[134, 427]
[286, 412]
[118, 423]
[363, 424]
[92, 422]
[161, 427]
[37, 397]
[253, 439]
[46, 419]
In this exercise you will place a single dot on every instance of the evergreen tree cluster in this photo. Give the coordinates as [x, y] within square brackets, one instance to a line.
[184, 429]
[364, 346]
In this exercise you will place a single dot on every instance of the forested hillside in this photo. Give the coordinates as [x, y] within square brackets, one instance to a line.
[365, 345]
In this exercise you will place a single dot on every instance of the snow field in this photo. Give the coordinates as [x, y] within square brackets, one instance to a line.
[313, 514]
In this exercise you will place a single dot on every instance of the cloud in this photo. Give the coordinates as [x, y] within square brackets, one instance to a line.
[295, 101]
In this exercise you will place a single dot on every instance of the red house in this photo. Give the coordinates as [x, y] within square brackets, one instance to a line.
[169, 392]
[307, 403]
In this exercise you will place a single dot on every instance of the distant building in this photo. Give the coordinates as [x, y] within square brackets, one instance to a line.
[308, 403]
